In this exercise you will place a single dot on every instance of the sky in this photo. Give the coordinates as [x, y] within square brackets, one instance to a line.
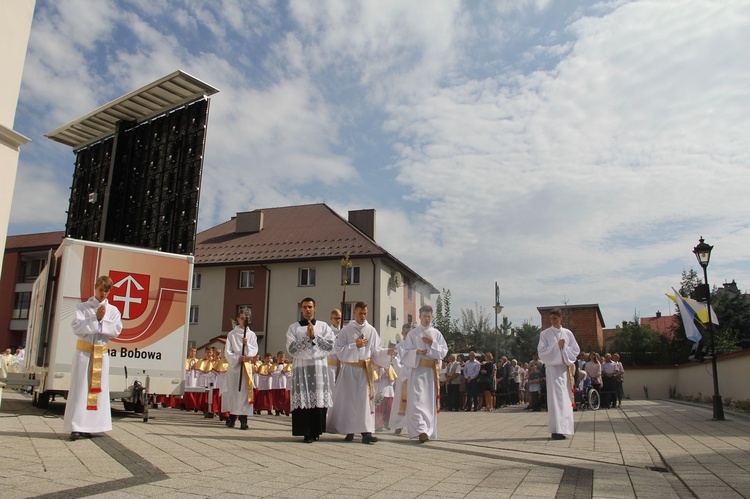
[572, 152]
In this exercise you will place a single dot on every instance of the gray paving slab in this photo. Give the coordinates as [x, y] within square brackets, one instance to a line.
[657, 449]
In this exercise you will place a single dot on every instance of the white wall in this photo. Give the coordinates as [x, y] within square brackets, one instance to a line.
[15, 26]
[210, 299]
[691, 379]
[285, 294]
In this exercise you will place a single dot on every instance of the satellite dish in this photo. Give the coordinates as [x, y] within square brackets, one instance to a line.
[397, 279]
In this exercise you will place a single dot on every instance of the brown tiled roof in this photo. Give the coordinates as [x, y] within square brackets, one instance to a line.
[40, 240]
[290, 233]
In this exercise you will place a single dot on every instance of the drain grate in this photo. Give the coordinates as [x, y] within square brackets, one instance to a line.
[658, 468]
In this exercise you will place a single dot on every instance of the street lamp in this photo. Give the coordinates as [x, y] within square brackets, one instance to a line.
[703, 254]
[498, 308]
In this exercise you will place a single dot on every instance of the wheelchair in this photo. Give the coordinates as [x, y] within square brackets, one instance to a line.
[590, 399]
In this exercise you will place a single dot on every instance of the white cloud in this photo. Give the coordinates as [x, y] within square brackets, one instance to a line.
[568, 154]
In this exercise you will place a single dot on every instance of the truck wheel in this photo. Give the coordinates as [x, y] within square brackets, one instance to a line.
[41, 400]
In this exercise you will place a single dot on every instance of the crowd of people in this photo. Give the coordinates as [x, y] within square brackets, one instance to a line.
[471, 382]
[11, 362]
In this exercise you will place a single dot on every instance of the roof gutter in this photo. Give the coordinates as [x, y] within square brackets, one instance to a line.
[268, 306]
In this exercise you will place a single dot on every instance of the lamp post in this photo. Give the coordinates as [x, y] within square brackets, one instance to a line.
[703, 254]
[498, 308]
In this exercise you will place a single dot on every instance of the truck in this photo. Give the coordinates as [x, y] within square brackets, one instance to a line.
[152, 291]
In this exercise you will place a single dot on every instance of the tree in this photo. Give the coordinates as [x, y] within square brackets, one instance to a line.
[443, 320]
[473, 331]
[443, 312]
[688, 282]
[640, 345]
[503, 340]
[733, 311]
[526, 341]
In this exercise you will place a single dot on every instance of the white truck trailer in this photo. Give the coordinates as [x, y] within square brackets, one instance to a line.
[152, 291]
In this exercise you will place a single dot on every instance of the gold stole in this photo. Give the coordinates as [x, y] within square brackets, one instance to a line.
[221, 365]
[247, 369]
[95, 371]
[572, 381]
[371, 373]
[204, 366]
[432, 363]
[404, 392]
[390, 373]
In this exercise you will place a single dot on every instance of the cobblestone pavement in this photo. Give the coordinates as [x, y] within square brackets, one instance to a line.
[648, 449]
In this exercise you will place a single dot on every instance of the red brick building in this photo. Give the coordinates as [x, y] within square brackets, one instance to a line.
[25, 256]
[585, 321]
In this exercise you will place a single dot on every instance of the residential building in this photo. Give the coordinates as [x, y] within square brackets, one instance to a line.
[25, 256]
[585, 321]
[268, 260]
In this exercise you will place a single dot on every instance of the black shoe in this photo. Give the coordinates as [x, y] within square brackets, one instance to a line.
[367, 438]
[75, 436]
[308, 440]
[230, 422]
[86, 435]
[349, 437]
[243, 422]
[558, 436]
[278, 413]
[397, 431]
[316, 437]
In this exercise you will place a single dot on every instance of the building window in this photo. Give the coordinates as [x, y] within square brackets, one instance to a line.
[30, 269]
[306, 277]
[21, 305]
[246, 310]
[409, 292]
[352, 275]
[194, 314]
[196, 280]
[410, 320]
[247, 279]
[393, 318]
[346, 314]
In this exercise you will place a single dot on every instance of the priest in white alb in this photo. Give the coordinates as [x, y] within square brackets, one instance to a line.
[238, 399]
[309, 341]
[358, 349]
[421, 351]
[87, 409]
[558, 349]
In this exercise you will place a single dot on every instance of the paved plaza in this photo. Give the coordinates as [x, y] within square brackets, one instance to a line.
[648, 449]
